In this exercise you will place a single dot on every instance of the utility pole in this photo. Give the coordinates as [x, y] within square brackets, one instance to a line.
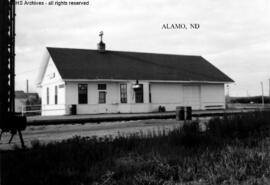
[9, 120]
[262, 94]
[27, 87]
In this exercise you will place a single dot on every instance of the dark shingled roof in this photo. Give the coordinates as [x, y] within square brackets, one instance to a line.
[92, 64]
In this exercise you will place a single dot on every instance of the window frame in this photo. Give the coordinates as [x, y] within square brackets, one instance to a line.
[123, 93]
[102, 87]
[83, 94]
[139, 91]
[150, 94]
[48, 95]
[100, 99]
[56, 95]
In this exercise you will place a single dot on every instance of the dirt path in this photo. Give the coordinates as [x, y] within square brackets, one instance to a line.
[52, 133]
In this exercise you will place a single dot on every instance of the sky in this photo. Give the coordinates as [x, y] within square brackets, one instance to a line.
[234, 35]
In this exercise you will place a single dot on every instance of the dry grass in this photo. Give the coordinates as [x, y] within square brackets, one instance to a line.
[233, 150]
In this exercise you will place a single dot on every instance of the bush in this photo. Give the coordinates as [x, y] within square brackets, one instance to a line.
[239, 126]
[254, 99]
[188, 135]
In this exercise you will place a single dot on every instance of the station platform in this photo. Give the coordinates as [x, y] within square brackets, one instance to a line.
[97, 118]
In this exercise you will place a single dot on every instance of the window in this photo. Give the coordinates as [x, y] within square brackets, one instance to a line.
[102, 97]
[61, 86]
[102, 86]
[102, 93]
[48, 96]
[123, 93]
[139, 94]
[82, 92]
[150, 95]
[55, 95]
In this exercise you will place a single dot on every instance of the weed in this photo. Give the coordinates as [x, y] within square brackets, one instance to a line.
[233, 150]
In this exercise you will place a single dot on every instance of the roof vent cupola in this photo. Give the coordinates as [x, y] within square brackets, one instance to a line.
[101, 45]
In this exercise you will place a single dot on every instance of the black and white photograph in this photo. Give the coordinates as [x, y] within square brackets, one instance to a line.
[122, 92]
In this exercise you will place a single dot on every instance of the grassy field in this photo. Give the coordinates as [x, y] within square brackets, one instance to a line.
[233, 150]
[254, 99]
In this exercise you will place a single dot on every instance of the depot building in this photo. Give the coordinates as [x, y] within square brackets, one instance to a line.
[105, 81]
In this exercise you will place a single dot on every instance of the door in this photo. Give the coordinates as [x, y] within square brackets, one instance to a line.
[191, 96]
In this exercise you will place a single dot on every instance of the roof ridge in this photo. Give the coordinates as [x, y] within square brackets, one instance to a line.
[121, 51]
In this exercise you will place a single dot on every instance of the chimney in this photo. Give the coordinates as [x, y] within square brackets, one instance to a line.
[101, 46]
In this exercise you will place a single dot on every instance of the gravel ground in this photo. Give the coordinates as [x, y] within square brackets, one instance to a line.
[52, 133]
